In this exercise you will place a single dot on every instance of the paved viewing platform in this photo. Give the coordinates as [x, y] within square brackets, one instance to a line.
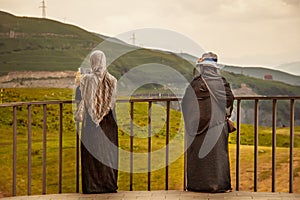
[161, 195]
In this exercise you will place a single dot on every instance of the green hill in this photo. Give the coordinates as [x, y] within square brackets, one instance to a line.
[38, 44]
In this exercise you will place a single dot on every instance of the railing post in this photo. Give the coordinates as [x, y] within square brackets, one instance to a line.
[238, 140]
[292, 123]
[274, 145]
[185, 163]
[29, 152]
[255, 144]
[60, 147]
[14, 181]
[44, 146]
[131, 144]
[167, 143]
[149, 144]
[78, 131]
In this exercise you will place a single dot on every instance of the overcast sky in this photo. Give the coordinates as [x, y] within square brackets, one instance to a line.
[242, 32]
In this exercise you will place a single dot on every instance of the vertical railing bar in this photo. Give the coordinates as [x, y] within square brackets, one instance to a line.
[29, 152]
[185, 160]
[44, 146]
[274, 145]
[238, 140]
[14, 181]
[149, 143]
[60, 148]
[292, 122]
[77, 156]
[185, 164]
[255, 144]
[167, 143]
[131, 145]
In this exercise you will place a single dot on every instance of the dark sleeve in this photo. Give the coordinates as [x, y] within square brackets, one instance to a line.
[229, 98]
[78, 94]
[196, 98]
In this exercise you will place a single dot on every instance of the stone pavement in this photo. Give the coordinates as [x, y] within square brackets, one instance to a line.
[160, 195]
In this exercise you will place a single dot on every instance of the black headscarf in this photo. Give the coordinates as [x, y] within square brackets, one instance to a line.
[205, 111]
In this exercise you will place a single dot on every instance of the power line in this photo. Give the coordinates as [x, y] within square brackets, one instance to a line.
[133, 39]
[43, 7]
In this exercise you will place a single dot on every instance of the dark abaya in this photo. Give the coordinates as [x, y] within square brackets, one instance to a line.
[99, 155]
[208, 168]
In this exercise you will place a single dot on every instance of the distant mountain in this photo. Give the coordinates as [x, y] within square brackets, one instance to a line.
[192, 59]
[260, 72]
[112, 39]
[290, 67]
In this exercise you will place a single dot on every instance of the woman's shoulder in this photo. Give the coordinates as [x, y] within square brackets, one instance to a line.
[224, 80]
[85, 79]
[197, 83]
[111, 77]
[85, 76]
[90, 76]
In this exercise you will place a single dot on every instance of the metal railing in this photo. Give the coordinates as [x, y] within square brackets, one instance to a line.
[274, 117]
[150, 102]
[29, 151]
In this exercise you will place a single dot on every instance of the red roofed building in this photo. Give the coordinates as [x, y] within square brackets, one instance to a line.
[268, 77]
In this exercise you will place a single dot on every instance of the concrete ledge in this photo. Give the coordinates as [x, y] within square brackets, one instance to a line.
[160, 195]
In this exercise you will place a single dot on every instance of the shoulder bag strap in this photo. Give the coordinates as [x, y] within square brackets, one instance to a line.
[212, 94]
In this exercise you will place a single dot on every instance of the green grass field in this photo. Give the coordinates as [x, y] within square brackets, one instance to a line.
[140, 146]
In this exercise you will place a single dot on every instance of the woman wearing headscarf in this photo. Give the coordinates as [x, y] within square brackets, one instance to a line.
[207, 102]
[99, 140]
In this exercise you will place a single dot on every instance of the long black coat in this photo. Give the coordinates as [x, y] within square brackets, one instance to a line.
[99, 153]
[208, 168]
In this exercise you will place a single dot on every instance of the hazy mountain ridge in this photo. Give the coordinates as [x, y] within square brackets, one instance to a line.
[260, 72]
[291, 66]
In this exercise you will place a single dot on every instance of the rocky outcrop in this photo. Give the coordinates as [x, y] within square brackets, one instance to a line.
[34, 79]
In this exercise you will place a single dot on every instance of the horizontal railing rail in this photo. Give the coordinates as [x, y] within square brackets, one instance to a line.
[150, 101]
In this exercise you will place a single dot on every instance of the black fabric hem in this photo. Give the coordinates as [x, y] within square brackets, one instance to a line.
[102, 192]
[210, 191]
